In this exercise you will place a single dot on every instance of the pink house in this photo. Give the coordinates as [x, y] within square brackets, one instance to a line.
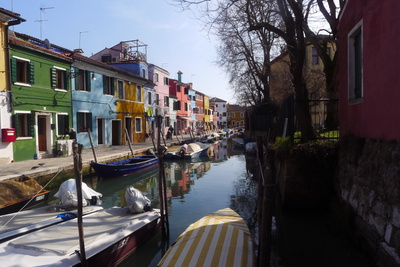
[369, 77]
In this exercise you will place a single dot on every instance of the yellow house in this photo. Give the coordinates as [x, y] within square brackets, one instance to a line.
[7, 19]
[281, 81]
[130, 109]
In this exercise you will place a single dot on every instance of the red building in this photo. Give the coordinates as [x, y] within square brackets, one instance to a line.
[181, 91]
[369, 79]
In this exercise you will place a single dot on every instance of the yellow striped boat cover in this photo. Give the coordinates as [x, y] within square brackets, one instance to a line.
[220, 239]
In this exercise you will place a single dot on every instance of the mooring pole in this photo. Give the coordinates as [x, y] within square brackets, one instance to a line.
[77, 149]
[91, 144]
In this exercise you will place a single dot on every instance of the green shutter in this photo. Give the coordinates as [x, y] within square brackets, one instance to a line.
[53, 78]
[31, 72]
[15, 124]
[67, 80]
[31, 125]
[14, 70]
[88, 80]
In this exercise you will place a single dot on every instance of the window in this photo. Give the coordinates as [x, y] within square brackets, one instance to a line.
[106, 58]
[23, 124]
[178, 88]
[186, 90]
[83, 81]
[314, 56]
[177, 105]
[62, 124]
[22, 70]
[186, 106]
[138, 125]
[156, 77]
[121, 91]
[157, 99]
[233, 115]
[224, 114]
[149, 98]
[139, 93]
[59, 78]
[166, 81]
[241, 115]
[166, 101]
[223, 105]
[108, 85]
[355, 63]
[84, 121]
[216, 105]
[143, 73]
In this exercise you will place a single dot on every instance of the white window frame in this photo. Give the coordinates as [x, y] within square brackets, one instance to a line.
[358, 29]
[138, 130]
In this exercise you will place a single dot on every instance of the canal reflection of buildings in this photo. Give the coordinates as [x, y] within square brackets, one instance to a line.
[180, 175]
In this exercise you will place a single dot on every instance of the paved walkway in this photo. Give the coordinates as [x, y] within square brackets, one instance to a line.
[46, 166]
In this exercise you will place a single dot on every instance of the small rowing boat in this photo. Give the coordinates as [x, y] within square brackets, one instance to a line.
[125, 166]
[221, 238]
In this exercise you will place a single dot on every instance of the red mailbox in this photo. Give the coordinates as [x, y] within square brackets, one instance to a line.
[8, 135]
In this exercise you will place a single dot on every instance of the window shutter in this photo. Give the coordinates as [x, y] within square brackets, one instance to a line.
[67, 80]
[88, 80]
[53, 78]
[78, 122]
[112, 84]
[14, 70]
[76, 79]
[15, 124]
[104, 84]
[31, 125]
[31, 73]
[89, 121]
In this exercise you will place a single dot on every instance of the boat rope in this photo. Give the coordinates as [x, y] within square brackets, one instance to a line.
[12, 218]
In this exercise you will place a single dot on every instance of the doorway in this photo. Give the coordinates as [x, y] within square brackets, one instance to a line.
[116, 132]
[42, 133]
[100, 131]
[128, 127]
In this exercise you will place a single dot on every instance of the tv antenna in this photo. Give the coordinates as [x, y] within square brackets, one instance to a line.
[80, 33]
[42, 9]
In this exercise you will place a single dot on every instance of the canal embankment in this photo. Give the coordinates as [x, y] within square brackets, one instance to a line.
[63, 165]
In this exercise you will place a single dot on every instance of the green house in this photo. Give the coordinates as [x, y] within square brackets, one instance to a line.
[41, 97]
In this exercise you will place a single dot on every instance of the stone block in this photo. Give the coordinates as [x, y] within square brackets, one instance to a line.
[396, 217]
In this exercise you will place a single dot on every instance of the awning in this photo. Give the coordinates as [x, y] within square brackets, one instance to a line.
[188, 118]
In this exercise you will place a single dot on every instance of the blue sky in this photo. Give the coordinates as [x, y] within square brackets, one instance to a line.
[175, 39]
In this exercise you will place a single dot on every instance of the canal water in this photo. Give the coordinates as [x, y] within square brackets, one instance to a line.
[194, 189]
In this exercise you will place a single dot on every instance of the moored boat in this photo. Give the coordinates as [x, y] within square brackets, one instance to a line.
[125, 166]
[21, 194]
[110, 235]
[221, 238]
[189, 151]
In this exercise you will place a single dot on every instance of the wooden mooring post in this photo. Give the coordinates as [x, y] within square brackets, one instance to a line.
[77, 152]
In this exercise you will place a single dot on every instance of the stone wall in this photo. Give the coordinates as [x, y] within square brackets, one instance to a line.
[369, 182]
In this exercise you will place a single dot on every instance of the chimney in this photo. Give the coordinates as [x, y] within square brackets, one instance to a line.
[180, 76]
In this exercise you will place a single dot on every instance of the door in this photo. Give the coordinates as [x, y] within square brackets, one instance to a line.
[116, 132]
[100, 131]
[42, 133]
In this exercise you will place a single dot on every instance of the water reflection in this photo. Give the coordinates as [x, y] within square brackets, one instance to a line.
[194, 189]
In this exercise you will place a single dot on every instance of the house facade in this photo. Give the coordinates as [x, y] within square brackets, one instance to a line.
[183, 113]
[368, 161]
[220, 109]
[236, 116]
[41, 96]
[160, 79]
[7, 133]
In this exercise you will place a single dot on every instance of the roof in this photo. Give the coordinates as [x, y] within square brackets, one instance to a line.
[34, 47]
[216, 99]
[7, 15]
[232, 108]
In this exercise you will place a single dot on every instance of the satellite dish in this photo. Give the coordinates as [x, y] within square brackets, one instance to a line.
[47, 43]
